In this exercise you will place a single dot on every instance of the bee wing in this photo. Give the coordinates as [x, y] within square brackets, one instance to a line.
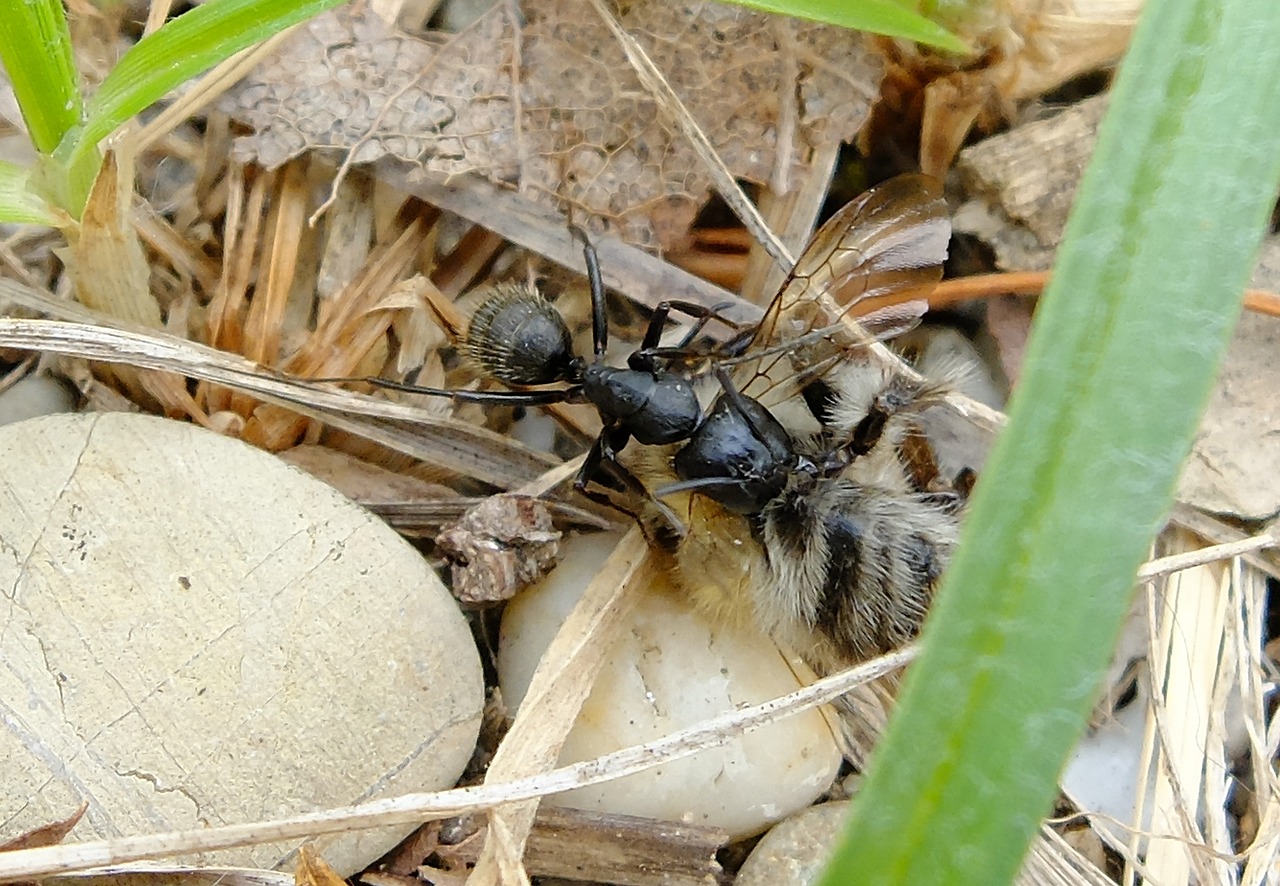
[888, 240]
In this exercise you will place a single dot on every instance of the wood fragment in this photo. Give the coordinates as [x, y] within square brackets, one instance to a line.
[622, 849]
[502, 545]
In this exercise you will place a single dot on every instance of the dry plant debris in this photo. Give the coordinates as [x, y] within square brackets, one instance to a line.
[498, 547]
[48, 834]
[1021, 186]
[551, 107]
[313, 870]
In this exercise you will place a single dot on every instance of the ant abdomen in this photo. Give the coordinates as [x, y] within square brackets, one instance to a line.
[518, 337]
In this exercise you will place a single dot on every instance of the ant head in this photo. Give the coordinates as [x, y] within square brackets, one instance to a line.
[517, 336]
[741, 456]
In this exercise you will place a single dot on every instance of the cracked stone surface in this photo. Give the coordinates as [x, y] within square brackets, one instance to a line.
[193, 634]
[671, 668]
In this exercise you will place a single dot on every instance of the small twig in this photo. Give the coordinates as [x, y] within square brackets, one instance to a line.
[1212, 554]
[981, 286]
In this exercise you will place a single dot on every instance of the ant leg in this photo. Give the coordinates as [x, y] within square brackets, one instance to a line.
[604, 453]
[500, 398]
[599, 317]
[702, 314]
[649, 350]
[764, 427]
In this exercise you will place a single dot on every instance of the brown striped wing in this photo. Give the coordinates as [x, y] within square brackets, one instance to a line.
[888, 240]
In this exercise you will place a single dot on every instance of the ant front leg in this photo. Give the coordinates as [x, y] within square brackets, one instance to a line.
[599, 316]
[492, 398]
[764, 427]
[604, 454]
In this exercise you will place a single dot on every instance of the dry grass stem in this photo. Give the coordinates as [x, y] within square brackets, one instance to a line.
[556, 694]
[458, 446]
[1163, 566]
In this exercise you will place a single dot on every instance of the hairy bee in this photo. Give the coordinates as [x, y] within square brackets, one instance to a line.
[832, 535]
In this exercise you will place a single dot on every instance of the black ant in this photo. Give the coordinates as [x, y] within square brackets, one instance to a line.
[518, 337]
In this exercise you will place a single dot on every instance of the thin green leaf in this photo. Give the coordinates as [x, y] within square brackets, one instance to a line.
[35, 47]
[17, 203]
[887, 17]
[1123, 355]
[178, 51]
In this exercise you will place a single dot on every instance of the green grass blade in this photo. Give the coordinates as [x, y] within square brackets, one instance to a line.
[35, 47]
[1124, 351]
[17, 203]
[888, 17]
[181, 49]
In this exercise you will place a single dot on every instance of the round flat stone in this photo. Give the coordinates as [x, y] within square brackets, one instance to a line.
[195, 634]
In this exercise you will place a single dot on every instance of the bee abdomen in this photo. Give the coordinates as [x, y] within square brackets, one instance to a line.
[518, 337]
[861, 562]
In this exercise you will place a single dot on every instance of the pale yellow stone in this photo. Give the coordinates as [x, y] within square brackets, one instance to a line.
[193, 633]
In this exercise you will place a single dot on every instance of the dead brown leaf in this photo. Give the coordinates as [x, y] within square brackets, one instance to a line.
[551, 107]
[313, 870]
[49, 834]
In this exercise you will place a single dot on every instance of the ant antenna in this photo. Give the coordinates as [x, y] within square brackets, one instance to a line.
[599, 318]
[696, 485]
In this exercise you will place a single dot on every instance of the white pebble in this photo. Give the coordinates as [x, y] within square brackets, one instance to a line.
[32, 396]
[670, 668]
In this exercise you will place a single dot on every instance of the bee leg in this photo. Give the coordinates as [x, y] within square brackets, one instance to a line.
[918, 458]
[947, 502]
[897, 397]
[603, 455]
